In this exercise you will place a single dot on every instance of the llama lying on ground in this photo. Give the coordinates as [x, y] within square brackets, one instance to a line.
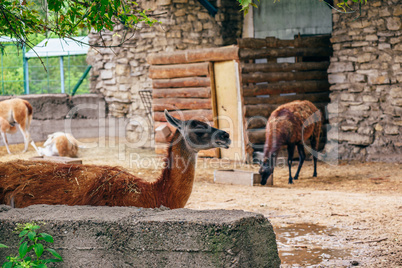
[18, 111]
[25, 183]
[60, 144]
[291, 124]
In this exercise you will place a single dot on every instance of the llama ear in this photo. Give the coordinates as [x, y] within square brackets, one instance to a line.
[173, 121]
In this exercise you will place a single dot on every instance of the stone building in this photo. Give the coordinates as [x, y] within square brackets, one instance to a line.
[120, 72]
[366, 77]
[365, 71]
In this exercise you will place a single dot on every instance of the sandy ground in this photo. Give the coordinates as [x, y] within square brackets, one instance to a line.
[350, 215]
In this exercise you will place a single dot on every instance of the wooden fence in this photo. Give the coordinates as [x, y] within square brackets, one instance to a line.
[184, 80]
[267, 82]
[183, 83]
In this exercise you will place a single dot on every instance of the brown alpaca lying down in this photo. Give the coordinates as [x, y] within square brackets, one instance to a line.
[25, 183]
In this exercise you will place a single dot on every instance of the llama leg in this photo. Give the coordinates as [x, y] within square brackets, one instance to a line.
[291, 150]
[302, 156]
[26, 137]
[34, 145]
[5, 141]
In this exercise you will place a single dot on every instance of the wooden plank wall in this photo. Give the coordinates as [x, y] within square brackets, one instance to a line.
[183, 83]
[264, 84]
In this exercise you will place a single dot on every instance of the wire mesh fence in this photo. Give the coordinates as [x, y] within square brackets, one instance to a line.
[43, 73]
[44, 77]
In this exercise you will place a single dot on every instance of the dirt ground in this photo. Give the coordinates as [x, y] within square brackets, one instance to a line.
[350, 215]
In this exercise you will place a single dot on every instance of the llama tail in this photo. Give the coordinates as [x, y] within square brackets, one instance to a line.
[29, 107]
[30, 112]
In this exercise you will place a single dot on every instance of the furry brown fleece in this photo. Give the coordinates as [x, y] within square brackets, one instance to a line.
[25, 183]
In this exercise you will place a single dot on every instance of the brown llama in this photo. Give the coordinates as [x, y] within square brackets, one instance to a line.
[25, 183]
[291, 124]
[18, 111]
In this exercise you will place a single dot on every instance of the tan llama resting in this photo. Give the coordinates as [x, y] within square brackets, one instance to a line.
[291, 124]
[17, 111]
[60, 144]
[25, 183]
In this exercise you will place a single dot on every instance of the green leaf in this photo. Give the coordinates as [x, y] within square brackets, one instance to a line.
[3, 246]
[7, 265]
[54, 253]
[38, 248]
[47, 237]
[35, 227]
[23, 233]
[31, 236]
[42, 265]
[23, 250]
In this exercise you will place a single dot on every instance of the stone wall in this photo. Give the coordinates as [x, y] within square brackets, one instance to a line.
[84, 116]
[366, 78]
[120, 72]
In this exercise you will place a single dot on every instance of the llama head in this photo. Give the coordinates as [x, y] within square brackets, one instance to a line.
[199, 135]
[267, 168]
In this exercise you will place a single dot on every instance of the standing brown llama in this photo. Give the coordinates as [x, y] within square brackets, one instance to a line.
[25, 183]
[18, 111]
[291, 124]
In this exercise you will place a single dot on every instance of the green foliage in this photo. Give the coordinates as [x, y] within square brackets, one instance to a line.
[344, 4]
[66, 18]
[11, 71]
[44, 73]
[30, 241]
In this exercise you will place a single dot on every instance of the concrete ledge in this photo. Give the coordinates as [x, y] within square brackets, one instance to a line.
[133, 237]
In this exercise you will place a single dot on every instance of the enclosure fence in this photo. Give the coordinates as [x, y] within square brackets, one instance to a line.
[44, 73]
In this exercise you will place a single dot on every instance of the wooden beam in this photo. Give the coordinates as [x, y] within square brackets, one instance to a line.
[182, 82]
[284, 67]
[181, 103]
[286, 87]
[197, 55]
[263, 110]
[179, 70]
[277, 99]
[262, 53]
[310, 41]
[202, 115]
[194, 92]
[284, 76]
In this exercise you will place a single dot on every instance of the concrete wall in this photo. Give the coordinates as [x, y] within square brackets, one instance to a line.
[84, 116]
[133, 237]
[366, 78]
[120, 72]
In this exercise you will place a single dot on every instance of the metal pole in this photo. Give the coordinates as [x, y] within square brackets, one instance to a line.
[62, 74]
[26, 74]
[81, 79]
[2, 72]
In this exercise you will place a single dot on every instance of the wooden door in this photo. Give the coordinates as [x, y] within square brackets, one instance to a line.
[229, 107]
